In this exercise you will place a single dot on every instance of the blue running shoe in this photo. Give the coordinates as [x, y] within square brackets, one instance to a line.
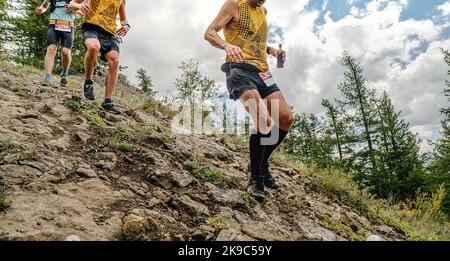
[88, 87]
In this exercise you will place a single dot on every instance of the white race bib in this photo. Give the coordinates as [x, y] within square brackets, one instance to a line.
[63, 27]
[267, 78]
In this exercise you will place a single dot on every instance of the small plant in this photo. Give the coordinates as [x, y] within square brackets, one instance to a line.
[342, 230]
[125, 133]
[199, 213]
[4, 202]
[118, 143]
[298, 204]
[207, 175]
[8, 146]
[74, 105]
[189, 193]
[248, 198]
[93, 148]
[32, 155]
[94, 118]
[217, 222]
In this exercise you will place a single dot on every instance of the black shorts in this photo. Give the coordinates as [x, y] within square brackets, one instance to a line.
[54, 37]
[108, 42]
[242, 77]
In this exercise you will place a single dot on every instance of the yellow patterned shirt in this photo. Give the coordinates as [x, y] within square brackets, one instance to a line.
[251, 35]
[104, 14]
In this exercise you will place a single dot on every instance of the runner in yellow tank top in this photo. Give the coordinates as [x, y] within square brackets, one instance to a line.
[249, 80]
[103, 14]
[99, 31]
[250, 35]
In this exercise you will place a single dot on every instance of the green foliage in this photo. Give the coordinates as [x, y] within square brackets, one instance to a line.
[145, 82]
[194, 88]
[207, 175]
[94, 117]
[120, 140]
[342, 229]
[4, 202]
[248, 198]
[306, 140]
[439, 167]
[73, 105]
[418, 218]
[26, 34]
[361, 100]
[363, 135]
[8, 146]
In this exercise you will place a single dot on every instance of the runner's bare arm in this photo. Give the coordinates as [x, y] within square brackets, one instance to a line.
[224, 17]
[42, 8]
[79, 6]
[125, 27]
[272, 51]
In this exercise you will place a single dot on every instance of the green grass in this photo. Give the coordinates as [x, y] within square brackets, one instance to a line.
[152, 106]
[4, 202]
[199, 213]
[9, 146]
[73, 105]
[419, 219]
[32, 155]
[95, 118]
[342, 229]
[217, 222]
[207, 175]
[117, 143]
[120, 140]
[17, 69]
[248, 198]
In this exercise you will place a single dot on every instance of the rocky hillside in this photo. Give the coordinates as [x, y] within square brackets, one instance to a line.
[69, 171]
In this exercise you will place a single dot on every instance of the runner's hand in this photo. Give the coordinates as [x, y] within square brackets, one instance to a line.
[275, 53]
[282, 53]
[123, 30]
[85, 9]
[234, 53]
[39, 11]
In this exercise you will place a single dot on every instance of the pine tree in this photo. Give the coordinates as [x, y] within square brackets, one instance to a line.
[308, 142]
[439, 167]
[337, 128]
[361, 100]
[145, 82]
[28, 33]
[194, 88]
[401, 168]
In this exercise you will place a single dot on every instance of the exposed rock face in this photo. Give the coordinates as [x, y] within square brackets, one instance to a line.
[70, 178]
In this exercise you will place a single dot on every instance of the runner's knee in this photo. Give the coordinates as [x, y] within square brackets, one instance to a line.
[66, 51]
[113, 60]
[286, 120]
[51, 49]
[93, 47]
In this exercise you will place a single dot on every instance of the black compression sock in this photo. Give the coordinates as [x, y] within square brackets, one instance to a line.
[257, 152]
[269, 149]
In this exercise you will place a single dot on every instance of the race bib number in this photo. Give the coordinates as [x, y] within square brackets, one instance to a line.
[63, 27]
[267, 78]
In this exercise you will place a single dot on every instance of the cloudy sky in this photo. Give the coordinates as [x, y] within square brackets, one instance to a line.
[397, 43]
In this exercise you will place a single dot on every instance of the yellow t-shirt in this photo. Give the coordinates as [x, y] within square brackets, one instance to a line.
[251, 35]
[104, 14]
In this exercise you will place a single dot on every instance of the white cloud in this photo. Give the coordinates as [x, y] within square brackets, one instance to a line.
[445, 8]
[166, 32]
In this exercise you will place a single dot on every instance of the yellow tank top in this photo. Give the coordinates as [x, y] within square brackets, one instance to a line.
[104, 14]
[251, 35]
